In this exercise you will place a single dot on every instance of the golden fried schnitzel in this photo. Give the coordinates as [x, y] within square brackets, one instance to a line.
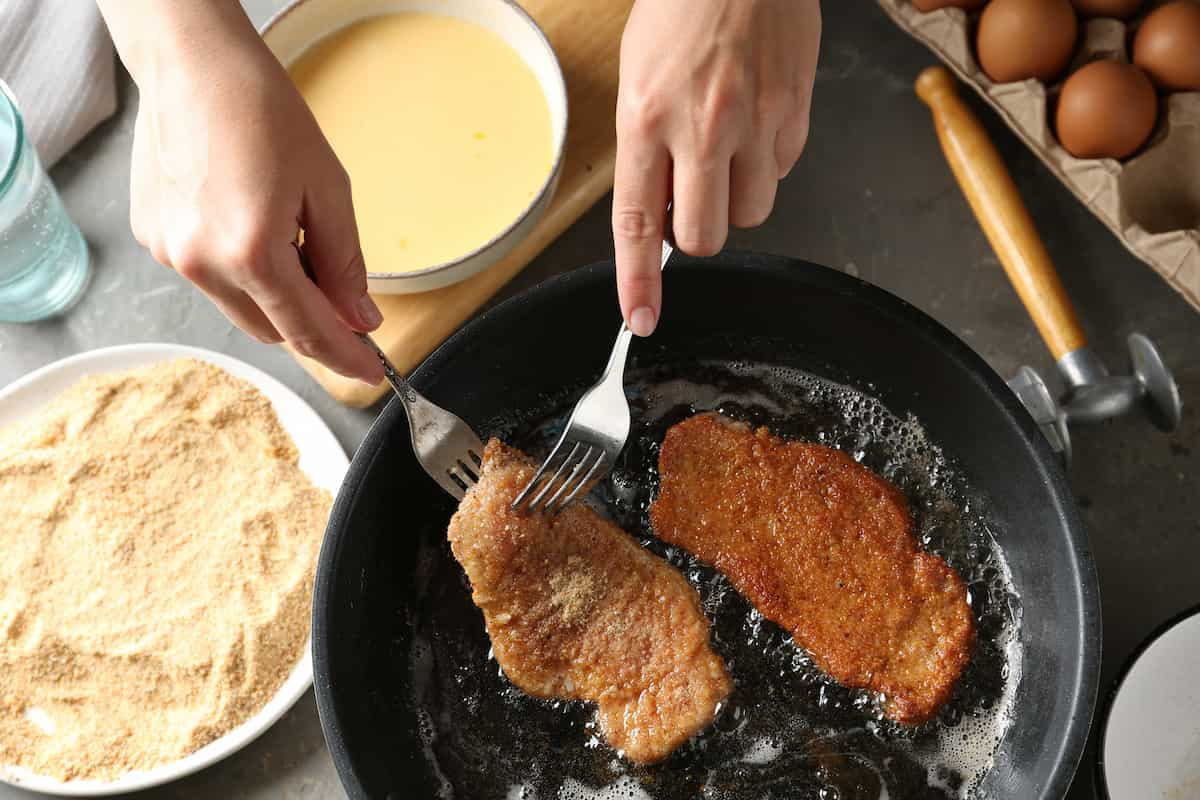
[823, 547]
[577, 609]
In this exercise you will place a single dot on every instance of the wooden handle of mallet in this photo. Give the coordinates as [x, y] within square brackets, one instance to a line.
[998, 207]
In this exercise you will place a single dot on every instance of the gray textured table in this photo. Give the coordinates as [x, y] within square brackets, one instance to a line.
[872, 196]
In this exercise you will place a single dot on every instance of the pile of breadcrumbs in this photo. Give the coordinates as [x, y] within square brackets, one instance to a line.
[157, 547]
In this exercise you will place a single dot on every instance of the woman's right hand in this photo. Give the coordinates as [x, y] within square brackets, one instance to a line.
[712, 112]
[228, 166]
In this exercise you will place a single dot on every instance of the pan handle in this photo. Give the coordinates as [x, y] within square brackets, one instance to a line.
[989, 189]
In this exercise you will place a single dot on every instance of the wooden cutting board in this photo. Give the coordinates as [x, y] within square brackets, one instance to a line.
[586, 36]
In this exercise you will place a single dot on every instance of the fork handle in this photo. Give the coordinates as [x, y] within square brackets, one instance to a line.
[399, 383]
[620, 351]
[668, 235]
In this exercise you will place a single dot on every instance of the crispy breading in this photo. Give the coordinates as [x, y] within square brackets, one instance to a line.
[824, 547]
[577, 609]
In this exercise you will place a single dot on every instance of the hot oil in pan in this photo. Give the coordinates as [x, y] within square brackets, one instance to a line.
[787, 731]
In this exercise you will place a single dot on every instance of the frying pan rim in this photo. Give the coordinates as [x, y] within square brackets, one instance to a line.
[1086, 674]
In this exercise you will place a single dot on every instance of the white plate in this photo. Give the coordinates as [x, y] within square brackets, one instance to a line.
[1150, 741]
[321, 458]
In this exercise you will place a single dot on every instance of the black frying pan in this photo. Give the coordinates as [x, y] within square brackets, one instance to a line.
[412, 707]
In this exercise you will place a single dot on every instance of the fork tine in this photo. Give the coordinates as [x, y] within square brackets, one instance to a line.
[470, 470]
[580, 485]
[562, 472]
[603, 464]
[570, 477]
[537, 476]
[454, 484]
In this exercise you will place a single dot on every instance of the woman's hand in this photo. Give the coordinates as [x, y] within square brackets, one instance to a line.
[712, 112]
[228, 165]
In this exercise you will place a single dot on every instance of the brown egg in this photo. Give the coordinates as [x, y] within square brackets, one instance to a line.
[1021, 39]
[1121, 9]
[934, 5]
[1167, 46]
[1107, 109]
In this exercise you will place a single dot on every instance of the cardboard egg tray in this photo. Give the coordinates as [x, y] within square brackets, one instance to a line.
[1151, 201]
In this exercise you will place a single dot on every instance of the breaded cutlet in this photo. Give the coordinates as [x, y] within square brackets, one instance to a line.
[577, 609]
[824, 547]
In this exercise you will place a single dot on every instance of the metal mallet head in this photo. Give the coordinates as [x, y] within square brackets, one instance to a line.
[1033, 393]
[1094, 395]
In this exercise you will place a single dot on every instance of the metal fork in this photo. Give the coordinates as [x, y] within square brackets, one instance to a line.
[445, 446]
[594, 436]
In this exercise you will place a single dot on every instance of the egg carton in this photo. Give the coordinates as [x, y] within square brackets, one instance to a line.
[1151, 201]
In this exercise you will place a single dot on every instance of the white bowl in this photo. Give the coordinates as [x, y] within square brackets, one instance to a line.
[321, 458]
[303, 23]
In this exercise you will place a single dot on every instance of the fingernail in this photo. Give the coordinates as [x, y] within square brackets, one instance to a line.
[368, 312]
[641, 321]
